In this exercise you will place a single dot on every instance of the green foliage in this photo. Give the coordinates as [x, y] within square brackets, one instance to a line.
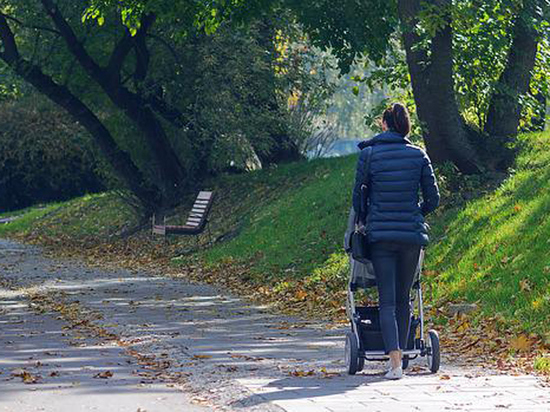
[44, 155]
[222, 101]
[482, 38]
[235, 95]
[348, 29]
[481, 42]
[344, 27]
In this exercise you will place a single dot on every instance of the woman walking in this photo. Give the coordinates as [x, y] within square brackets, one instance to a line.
[395, 221]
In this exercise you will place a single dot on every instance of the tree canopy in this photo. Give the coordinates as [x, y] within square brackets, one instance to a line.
[174, 91]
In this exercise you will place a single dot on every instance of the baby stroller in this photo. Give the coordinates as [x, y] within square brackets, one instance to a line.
[364, 340]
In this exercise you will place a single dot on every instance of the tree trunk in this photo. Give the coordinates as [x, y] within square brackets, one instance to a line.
[504, 108]
[433, 88]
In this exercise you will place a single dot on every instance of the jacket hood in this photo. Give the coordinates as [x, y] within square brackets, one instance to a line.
[385, 137]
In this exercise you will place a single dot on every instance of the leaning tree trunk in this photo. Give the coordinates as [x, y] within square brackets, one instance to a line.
[433, 88]
[171, 176]
[504, 108]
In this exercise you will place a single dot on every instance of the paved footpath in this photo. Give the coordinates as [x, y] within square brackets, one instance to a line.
[187, 347]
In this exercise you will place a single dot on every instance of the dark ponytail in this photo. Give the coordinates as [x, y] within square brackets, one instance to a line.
[397, 118]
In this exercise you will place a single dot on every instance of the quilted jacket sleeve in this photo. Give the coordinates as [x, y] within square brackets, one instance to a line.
[428, 184]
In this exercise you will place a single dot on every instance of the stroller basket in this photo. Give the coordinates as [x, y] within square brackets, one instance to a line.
[370, 335]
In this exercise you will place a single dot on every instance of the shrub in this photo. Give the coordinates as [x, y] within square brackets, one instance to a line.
[44, 155]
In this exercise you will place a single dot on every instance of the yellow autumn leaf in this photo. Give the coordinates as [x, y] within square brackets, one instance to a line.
[520, 343]
[300, 295]
[537, 304]
[463, 327]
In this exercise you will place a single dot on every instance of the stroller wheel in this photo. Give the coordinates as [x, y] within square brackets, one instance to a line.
[433, 351]
[352, 354]
[360, 363]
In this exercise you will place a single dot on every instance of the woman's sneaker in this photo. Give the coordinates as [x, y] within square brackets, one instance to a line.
[395, 373]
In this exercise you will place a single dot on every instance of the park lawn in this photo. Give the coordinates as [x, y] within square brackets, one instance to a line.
[280, 232]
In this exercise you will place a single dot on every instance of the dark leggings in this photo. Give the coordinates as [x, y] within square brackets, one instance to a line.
[394, 264]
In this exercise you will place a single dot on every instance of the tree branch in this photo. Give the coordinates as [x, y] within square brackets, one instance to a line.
[169, 113]
[170, 171]
[125, 45]
[31, 26]
[142, 57]
[10, 53]
[74, 45]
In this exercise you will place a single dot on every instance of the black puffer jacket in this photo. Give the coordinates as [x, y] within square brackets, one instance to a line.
[397, 171]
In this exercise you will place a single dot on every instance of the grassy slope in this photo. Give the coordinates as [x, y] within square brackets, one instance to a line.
[286, 226]
[295, 231]
[496, 250]
[83, 219]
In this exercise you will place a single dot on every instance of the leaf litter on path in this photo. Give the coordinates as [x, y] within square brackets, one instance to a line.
[26, 377]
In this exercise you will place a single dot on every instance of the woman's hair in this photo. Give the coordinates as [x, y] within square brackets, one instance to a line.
[397, 118]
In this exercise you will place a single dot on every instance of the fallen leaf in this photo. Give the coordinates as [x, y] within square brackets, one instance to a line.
[202, 356]
[300, 295]
[27, 377]
[520, 343]
[301, 374]
[524, 285]
[104, 375]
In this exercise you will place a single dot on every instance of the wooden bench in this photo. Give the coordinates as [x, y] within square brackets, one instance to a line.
[196, 222]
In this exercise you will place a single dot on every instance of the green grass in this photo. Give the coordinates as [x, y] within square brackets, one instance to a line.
[299, 228]
[286, 225]
[93, 217]
[26, 218]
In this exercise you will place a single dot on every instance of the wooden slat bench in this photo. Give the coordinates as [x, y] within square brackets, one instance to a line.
[196, 221]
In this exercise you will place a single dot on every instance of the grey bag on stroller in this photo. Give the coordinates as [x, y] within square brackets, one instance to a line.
[362, 274]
